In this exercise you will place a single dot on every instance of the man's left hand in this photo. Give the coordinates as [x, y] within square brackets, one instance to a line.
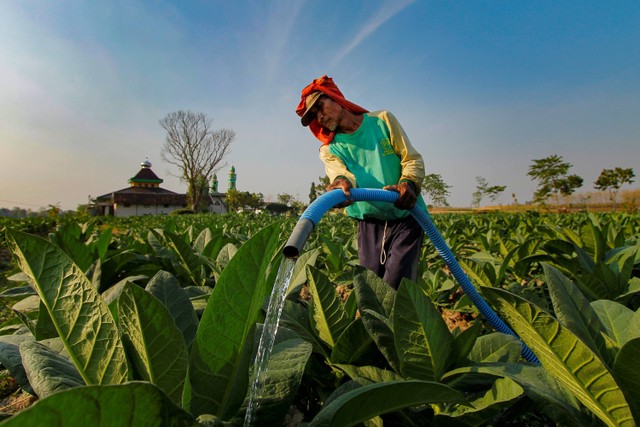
[407, 197]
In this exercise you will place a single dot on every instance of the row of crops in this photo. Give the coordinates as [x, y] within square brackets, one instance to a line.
[154, 321]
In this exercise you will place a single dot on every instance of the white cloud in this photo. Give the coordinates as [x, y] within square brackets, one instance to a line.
[388, 11]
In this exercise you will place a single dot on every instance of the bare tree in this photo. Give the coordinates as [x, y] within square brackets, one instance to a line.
[196, 149]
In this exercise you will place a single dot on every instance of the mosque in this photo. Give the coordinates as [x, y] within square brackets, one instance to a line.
[144, 196]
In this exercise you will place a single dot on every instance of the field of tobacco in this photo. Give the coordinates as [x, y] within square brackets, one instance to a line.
[155, 321]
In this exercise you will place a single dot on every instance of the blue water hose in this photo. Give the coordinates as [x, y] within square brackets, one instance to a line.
[312, 215]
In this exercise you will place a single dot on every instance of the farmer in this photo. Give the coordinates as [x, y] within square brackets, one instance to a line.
[369, 150]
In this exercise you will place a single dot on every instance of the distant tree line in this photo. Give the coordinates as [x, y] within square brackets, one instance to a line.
[199, 151]
[551, 174]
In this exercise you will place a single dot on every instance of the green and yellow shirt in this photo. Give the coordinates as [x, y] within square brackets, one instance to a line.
[379, 153]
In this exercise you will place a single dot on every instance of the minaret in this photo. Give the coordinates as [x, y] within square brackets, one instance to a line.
[214, 184]
[232, 178]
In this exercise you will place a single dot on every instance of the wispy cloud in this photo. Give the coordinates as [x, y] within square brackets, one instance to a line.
[386, 12]
[281, 20]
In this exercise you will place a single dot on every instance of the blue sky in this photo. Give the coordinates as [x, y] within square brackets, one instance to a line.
[481, 87]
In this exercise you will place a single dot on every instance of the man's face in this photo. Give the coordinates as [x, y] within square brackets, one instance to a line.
[327, 112]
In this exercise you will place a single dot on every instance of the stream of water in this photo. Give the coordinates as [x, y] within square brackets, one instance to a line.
[267, 338]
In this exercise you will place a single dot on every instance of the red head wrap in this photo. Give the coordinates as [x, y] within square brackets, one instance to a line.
[325, 85]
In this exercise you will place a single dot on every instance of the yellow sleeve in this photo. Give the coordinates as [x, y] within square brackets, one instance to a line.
[410, 160]
[334, 167]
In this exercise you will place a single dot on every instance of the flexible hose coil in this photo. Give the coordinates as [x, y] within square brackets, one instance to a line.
[321, 205]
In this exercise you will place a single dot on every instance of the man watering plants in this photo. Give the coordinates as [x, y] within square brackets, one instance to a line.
[369, 150]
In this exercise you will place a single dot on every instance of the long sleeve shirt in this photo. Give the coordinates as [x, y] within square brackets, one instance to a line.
[377, 154]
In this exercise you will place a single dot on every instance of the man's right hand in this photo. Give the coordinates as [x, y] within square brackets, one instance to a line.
[344, 185]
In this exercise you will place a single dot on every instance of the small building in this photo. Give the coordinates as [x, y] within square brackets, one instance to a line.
[217, 200]
[144, 196]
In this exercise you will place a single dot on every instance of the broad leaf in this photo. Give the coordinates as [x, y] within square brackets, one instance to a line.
[165, 287]
[299, 275]
[496, 347]
[488, 404]
[11, 358]
[574, 311]
[616, 319]
[48, 372]
[373, 293]
[284, 374]
[565, 356]
[131, 404]
[627, 373]
[375, 399]
[155, 345]
[537, 382]
[368, 374]
[423, 341]
[354, 345]
[330, 317]
[380, 331]
[82, 319]
[219, 363]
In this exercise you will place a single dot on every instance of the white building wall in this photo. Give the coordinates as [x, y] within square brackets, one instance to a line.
[138, 210]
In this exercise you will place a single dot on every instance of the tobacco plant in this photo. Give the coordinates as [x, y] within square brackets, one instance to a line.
[163, 330]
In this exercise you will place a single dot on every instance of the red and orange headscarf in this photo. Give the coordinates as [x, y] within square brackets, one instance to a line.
[325, 85]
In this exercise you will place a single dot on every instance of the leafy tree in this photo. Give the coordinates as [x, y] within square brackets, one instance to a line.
[53, 211]
[483, 189]
[434, 186]
[313, 193]
[244, 199]
[291, 202]
[612, 179]
[319, 189]
[195, 148]
[255, 200]
[551, 174]
[285, 198]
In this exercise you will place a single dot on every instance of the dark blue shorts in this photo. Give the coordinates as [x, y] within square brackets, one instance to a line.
[402, 243]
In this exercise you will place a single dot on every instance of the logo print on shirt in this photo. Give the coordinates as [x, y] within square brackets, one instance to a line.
[386, 147]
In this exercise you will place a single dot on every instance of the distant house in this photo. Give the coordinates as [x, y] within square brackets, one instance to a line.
[143, 197]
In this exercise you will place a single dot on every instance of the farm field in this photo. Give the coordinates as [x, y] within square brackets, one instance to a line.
[154, 321]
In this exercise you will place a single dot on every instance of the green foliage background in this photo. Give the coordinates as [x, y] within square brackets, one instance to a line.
[161, 315]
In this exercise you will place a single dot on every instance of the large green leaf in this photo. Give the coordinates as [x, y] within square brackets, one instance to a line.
[219, 363]
[155, 345]
[354, 345]
[189, 261]
[626, 371]
[165, 287]
[295, 316]
[133, 404]
[11, 358]
[496, 347]
[284, 374]
[487, 405]
[423, 341]
[48, 372]
[299, 275]
[329, 314]
[574, 311]
[373, 293]
[368, 374]
[379, 329]
[616, 319]
[375, 399]
[69, 238]
[82, 319]
[537, 382]
[565, 356]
